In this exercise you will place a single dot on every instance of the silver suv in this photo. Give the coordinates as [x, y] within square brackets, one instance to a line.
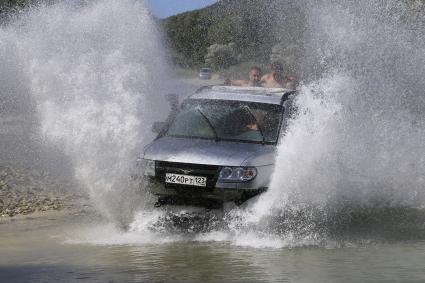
[219, 146]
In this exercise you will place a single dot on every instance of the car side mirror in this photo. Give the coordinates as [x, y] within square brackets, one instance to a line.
[157, 127]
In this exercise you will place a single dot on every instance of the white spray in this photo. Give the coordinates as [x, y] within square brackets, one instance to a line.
[356, 146]
[94, 71]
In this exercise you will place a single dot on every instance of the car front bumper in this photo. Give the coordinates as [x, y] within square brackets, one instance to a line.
[221, 192]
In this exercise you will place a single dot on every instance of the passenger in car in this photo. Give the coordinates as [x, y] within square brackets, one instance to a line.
[275, 78]
[254, 76]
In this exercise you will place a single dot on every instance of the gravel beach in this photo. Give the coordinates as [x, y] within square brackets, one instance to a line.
[25, 191]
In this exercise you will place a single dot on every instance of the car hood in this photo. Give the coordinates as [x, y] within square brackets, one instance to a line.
[210, 152]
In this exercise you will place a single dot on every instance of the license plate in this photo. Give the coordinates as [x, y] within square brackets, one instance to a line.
[185, 180]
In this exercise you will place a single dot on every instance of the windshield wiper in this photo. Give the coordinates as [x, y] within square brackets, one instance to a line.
[247, 109]
[210, 124]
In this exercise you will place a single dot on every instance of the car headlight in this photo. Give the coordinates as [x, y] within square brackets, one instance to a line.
[146, 166]
[237, 174]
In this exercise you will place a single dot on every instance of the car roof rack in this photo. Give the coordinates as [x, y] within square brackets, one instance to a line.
[204, 88]
[254, 94]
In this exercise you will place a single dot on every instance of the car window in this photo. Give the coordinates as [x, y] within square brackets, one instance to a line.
[228, 120]
[191, 123]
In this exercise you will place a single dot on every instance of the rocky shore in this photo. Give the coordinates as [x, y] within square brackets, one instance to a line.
[25, 191]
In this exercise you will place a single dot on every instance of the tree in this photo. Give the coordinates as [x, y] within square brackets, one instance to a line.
[288, 54]
[221, 56]
[187, 36]
[8, 7]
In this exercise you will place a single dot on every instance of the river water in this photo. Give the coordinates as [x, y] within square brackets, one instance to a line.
[81, 84]
[48, 250]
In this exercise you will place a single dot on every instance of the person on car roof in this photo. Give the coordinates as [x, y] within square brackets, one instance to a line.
[275, 78]
[254, 76]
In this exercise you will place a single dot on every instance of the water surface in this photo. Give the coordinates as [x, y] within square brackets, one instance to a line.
[46, 250]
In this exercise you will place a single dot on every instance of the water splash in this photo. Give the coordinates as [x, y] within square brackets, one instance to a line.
[92, 70]
[352, 160]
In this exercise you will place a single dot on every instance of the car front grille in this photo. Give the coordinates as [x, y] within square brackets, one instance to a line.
[209, 171]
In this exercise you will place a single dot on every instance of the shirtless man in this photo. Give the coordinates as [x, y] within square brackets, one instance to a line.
[254, 79]
[275, 78]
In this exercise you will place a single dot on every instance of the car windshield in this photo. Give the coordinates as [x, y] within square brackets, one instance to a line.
[228, 120]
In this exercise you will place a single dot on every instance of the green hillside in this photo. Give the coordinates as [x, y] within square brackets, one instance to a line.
[254, 32]
[238, 32]
[249, 26]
